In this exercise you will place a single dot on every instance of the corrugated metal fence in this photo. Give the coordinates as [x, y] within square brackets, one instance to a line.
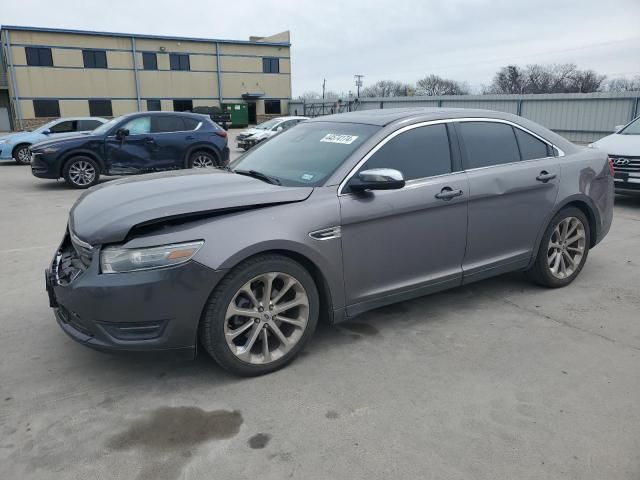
[580, 117]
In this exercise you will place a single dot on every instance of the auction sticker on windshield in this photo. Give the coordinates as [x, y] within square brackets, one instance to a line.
[338, 138]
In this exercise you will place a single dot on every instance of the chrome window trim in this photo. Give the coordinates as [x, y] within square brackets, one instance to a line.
[392, 135]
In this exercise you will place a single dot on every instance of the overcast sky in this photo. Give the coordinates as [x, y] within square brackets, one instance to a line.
[467, 40]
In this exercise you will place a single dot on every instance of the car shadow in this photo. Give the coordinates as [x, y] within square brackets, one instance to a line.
[628, 200]
[372, 326]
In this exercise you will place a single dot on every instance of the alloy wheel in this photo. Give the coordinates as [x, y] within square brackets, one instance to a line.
[203, 161]
[266, 318]
[566, 247]
[23, 154]
[82, 173]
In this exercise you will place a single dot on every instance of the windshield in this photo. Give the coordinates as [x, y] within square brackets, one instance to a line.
[105, 127]
[46, 126]
[632, 129]
[268, 124]
[308, 154]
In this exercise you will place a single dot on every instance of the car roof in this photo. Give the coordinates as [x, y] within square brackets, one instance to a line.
[82, 118]
[387, 116]
[290, 117]
[383, 117]
[159, 114]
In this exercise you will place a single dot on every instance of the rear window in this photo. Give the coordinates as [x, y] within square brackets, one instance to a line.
[308, 154]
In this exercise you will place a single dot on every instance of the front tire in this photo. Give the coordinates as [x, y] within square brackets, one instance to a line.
[81, 172]
[22, 155]
[563, 250]
[260, 316]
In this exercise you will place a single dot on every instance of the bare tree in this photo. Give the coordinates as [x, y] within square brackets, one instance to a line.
[623, 84]
[562, 78]
[310, 95]
[432, 85]
[509, 79]
[387, 88]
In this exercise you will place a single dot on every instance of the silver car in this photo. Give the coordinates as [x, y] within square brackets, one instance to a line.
[340, 215]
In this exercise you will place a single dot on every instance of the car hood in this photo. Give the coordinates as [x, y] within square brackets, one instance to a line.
[60, 139]
[250, 131]
[108, 212]
[619, 145]
[18, 136]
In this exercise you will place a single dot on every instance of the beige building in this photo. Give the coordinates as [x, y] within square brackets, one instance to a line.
[52, 72]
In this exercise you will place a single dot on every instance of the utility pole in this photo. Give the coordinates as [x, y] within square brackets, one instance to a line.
[358, 83]
[324, 81]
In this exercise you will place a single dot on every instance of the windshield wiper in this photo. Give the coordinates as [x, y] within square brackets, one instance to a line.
[259, 175]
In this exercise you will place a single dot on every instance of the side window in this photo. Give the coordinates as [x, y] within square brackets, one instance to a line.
[87, 125]
[63, 127]
[39, 56]
[488, 143]
[166, 123]
[190, 123]
[138, 126]
[94, 58]
[530, 146]
[417, 153]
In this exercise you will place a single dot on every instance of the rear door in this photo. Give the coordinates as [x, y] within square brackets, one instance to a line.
[134, 152]
[513, 186]
[172, 137]
[402, 243]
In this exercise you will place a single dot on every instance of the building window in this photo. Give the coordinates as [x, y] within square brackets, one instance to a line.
[270, 65]
[179, 61]
[100, 108]
[94, 58]
[39, 57]
[182, 105]
[272, 107]
[149, 61]
[46, 108]
[154, 106]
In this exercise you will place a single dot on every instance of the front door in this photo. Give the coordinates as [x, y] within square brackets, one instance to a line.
[251, 107]
[513, 186]
[134, 152]
[398, 244]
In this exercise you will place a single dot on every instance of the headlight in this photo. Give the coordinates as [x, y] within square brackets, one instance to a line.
[119, 260]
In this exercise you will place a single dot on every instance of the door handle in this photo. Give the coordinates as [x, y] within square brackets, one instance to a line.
[545, 176]
[447, 193]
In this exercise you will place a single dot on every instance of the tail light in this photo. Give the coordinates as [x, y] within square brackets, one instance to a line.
[611, 169]
[221, 133]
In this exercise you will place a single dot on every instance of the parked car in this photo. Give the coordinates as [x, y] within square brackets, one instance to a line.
[623, 148]
[133, 143]
[252, 136]
[341, 215]
[16, 145]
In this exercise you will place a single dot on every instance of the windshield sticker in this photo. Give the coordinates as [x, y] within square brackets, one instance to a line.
[338, 138]
[307, 177]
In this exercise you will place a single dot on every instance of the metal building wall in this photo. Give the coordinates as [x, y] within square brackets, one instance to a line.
[579, 117]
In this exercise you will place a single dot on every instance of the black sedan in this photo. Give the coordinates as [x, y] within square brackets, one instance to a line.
[130, 144]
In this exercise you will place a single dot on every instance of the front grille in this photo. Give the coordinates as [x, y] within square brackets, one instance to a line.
[83, 249]
[625, 163]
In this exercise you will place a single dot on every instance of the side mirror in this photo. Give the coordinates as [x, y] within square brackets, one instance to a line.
[46, 132]
[121, 133]
[378, 179]
[279, 129]
[617, 128]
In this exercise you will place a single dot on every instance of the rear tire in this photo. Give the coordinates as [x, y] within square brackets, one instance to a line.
[202, 159]
[81, 172]
[563, 250]
[21, 154]
[261, 287]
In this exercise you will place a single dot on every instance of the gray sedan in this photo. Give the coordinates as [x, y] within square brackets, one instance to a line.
[340, 215]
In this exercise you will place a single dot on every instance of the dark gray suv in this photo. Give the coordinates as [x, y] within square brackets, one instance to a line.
[337, 216]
